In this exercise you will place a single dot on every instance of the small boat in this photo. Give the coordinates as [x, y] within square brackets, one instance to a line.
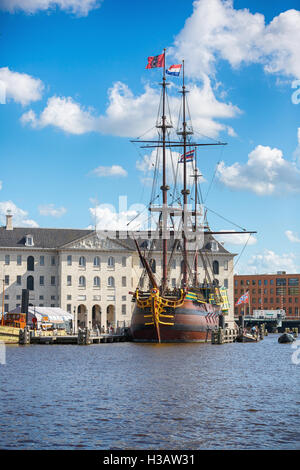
[286, 338]
[247, 338]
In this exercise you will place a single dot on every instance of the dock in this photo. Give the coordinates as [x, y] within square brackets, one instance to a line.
[83, 337]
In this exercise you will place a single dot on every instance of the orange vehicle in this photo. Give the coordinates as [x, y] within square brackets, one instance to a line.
[17, 320]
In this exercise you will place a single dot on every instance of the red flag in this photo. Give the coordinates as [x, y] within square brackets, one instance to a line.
[156, 61]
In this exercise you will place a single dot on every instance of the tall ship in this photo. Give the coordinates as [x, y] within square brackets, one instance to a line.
[189, 311]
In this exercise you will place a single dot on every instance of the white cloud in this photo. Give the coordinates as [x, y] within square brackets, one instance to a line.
[21, 87]
[107, 218]
[293, 237]
[269, 262]
[49, 209]
[296, 154]
[20, 217]
[78, 7]
[114, 170]
[63, 113]
[128, 115]
[216, 30]
[237, 238]
[266, 172]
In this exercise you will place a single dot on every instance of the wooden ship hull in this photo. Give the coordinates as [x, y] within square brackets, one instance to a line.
[186, 322]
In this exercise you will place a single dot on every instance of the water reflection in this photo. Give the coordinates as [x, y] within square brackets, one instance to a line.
[144, 396]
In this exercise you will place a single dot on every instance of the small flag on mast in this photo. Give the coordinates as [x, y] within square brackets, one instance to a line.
[174, 70]
[244, 299]
[189, 156]
[156, 61]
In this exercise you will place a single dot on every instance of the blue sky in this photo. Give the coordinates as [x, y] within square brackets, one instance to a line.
[77, 91]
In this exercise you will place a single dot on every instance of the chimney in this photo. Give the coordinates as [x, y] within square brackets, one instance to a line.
[9, 225]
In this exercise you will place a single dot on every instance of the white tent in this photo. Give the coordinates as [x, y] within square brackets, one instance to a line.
[49, 314]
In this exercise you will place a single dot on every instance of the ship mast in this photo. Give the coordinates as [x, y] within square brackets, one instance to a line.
[185, 192]
[164, 188]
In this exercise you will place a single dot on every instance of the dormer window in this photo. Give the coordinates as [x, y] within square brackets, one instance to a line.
[29, 240]
[214, 246]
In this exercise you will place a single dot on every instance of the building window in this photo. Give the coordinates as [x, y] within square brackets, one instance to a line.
[69, 260]
[242, 282]
[280, 282]
[174, 282]
[82, 262]
[19, 280]
[6, 297]
[52, 305]
[6, 308]
[216, 267]
[69, 308]
[42, 281]
[29, 240]
[293, 281]
[153, 265]
[41, 297]
[265, 282]
[253, 291]
[96, 262]
[82, 281]
[272, 281]
[111, 262]
[280, 290]
[52, 280]
[293, 290]
[174, 264]
[18, 297]
[6, 280]
[214, 246]
[19, 260]
[123, 309]
[123, 298]
[96, 281]
[124, 261]
[235, 283]
[253, 282]
[225, 265]
[296, 310]
[265, 291]
[42, 260]
[226, 283]
[52, 260]
[259, 282]
[52, 297]
[7, 259]
[69, 297]
[69, 280]
[123, 281]
[111, 282]
[271, 300]
[30, 263]
[30, 283]
[248, 282]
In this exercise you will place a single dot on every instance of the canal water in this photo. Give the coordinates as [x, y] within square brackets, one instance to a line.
[147, 396]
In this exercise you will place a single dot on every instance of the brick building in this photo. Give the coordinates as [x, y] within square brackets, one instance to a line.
[268, 292]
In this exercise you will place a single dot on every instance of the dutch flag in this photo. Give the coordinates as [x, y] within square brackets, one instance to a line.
[174, 70]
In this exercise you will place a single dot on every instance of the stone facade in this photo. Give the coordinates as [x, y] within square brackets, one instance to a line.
[87, 275]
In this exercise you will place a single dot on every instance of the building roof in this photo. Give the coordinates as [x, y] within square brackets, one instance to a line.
[42, 237]
[56, 238]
